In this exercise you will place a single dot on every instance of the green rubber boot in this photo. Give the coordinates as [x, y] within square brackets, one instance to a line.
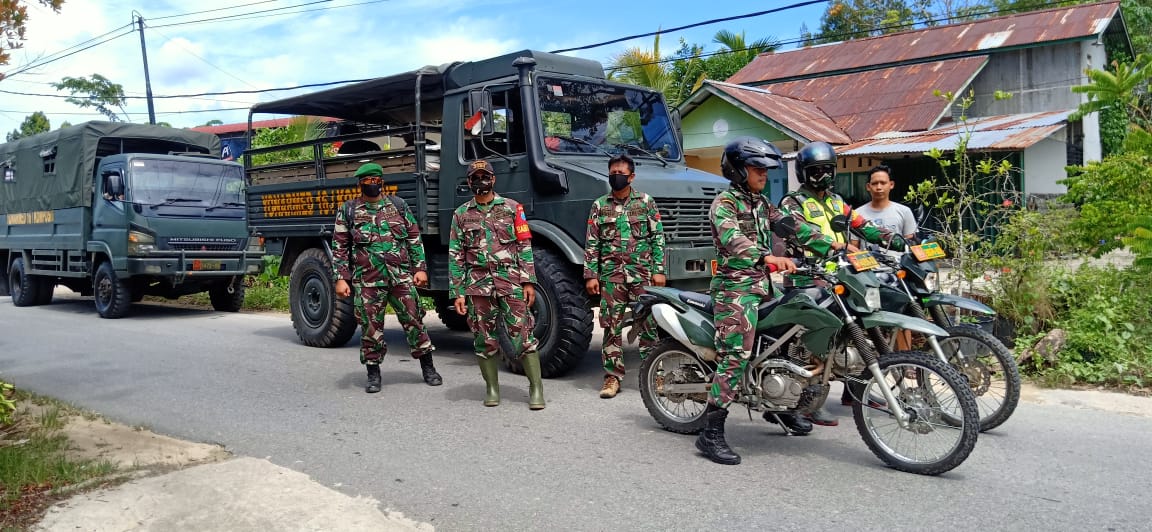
[491, 371]
[531, 363]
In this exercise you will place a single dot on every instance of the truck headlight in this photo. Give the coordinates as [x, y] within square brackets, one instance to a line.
[140, 243]
[256, 244]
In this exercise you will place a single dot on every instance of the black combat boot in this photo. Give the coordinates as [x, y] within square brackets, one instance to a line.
[711, 440]
[373, 378]
[430, 376]
[795, 424]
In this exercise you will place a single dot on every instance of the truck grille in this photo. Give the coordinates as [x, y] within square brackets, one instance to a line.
[202, 244]
[686, 220]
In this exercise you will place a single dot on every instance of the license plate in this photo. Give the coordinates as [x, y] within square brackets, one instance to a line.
[862, 260]
[713, 267]
[206, 265]
[928, 251]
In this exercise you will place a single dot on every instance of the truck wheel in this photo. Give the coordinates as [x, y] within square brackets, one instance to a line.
[563, 320]
[228, 302]
[44, 290]
[446, 309]
[112, 295]
[320, 318]
[25, 289]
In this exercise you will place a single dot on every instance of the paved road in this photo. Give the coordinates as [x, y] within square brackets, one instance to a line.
[437, 455]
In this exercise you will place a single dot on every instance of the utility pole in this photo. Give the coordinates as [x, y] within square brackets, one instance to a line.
[147, 80]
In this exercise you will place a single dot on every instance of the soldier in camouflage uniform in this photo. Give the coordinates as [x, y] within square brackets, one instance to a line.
[376, 248]
[492, 276]
[815, 203]
[741, 219]
[624, 253]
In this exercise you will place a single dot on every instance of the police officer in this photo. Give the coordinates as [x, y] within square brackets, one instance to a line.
[376, 248]
[492, 276]
[741, 219]
[815, 203]
[624, 253]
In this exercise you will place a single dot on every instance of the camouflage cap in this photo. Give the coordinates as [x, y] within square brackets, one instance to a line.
[368, 170]
[480, 165]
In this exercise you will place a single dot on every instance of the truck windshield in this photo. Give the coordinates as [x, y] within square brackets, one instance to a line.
[215, 188]
[583, 117]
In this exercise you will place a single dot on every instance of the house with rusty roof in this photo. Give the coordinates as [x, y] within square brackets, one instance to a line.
[879, 99]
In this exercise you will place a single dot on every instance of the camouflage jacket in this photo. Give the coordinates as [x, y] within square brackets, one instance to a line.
[805, 206]
[489, 249]
[380, 246]
[742, 233]
[625, 240]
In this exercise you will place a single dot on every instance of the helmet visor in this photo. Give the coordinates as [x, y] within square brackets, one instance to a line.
[762, 162]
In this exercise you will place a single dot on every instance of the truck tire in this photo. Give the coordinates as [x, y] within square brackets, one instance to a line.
[446, 309]
[112, 295]
[563, 320]
[320, 318]
[25, 289]
[228, 302]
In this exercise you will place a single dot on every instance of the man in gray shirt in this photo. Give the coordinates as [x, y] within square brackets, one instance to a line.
[882, 211]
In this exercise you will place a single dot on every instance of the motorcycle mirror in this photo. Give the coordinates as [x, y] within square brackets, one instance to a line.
[839, 223]
[920, 214]
[785, 227]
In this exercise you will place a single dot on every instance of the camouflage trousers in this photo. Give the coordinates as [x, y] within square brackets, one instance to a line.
[484, 312]
[370, 302]
[735, 321]
[614, 300]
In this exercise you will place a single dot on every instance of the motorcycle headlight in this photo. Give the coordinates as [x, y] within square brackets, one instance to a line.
[930, 282]
[872, 297]
[140, 243]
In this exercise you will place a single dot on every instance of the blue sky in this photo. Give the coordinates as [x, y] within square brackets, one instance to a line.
[346, 41]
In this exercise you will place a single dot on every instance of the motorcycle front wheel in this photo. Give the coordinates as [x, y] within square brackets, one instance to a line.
[670, 365]
[944, 421]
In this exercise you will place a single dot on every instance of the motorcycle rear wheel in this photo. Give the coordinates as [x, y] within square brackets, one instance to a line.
[990, 369]
[942, 433]
[672, 363]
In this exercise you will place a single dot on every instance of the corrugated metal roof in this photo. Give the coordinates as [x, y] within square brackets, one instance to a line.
[896, 98]
[803, 118]
[1024, 29]
[1004, 132]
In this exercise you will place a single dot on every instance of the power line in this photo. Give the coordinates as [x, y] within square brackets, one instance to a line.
[44, 61]
[212, 10]
[193, 54]
[697, 24]
[265, 13]
[222, 93]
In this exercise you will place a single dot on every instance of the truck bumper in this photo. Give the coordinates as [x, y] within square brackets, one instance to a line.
[181, 265]
[689, 268]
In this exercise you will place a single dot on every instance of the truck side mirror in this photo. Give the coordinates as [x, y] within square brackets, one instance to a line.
[114, 184]
[676, 126]
[480, 108]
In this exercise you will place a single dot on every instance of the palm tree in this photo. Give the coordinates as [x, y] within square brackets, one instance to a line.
[642, 67]
[1125, 88]
[738, 45]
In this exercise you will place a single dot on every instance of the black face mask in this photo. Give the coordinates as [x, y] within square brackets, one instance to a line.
[480, 184]
[371, 191]
[618, 182]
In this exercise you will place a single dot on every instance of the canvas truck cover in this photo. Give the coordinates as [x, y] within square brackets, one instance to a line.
[54, 170]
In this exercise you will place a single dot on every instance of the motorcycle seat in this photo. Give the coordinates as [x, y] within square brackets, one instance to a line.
[697, 300]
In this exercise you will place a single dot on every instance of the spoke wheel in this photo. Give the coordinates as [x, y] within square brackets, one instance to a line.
[668, 365]
[943, 422]
[990, 370]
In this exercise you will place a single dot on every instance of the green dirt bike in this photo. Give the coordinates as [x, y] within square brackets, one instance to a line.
[988, 366]
[914, 412]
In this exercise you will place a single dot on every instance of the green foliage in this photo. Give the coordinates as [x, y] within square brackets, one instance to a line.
[1113, 194]
[7, 404]
[97, 92]
[299, 129]
[1105, 314]
[34, 123]
[1124, 87]
[690, 67]
[1021, 257]
[1138, 19]
[856, 19]
[642, 67]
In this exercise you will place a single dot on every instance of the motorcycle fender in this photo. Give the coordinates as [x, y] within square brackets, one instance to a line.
[678, 326]
[938, 299]
[891, 319]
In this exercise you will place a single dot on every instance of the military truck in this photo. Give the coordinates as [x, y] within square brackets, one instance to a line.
[547, 123]
[119, 211]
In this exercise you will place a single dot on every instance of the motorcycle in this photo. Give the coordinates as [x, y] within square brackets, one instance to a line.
[914, 412]
[988, 366]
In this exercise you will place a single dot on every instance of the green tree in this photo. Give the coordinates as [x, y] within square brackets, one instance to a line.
[13, 18]
[213, 122]
[856, 19]
[65, 124]
[96, 92]
[299, 129]
[1123, 91]
[33, 124]
[691, 65]
[1114, 196]
[642, 67]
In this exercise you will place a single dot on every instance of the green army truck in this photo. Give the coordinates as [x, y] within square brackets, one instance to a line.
[547, 123]
[119, 211]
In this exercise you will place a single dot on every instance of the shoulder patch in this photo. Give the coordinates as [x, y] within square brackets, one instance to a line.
[521, 224]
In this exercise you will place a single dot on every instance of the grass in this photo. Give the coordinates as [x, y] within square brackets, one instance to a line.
[34, 463]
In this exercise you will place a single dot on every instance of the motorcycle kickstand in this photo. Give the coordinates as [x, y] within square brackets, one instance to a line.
[787, 431]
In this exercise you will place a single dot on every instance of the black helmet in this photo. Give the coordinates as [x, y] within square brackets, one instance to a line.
[744, 152]
[816, 164]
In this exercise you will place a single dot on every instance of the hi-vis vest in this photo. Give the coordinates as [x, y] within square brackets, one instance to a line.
[821, 214]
